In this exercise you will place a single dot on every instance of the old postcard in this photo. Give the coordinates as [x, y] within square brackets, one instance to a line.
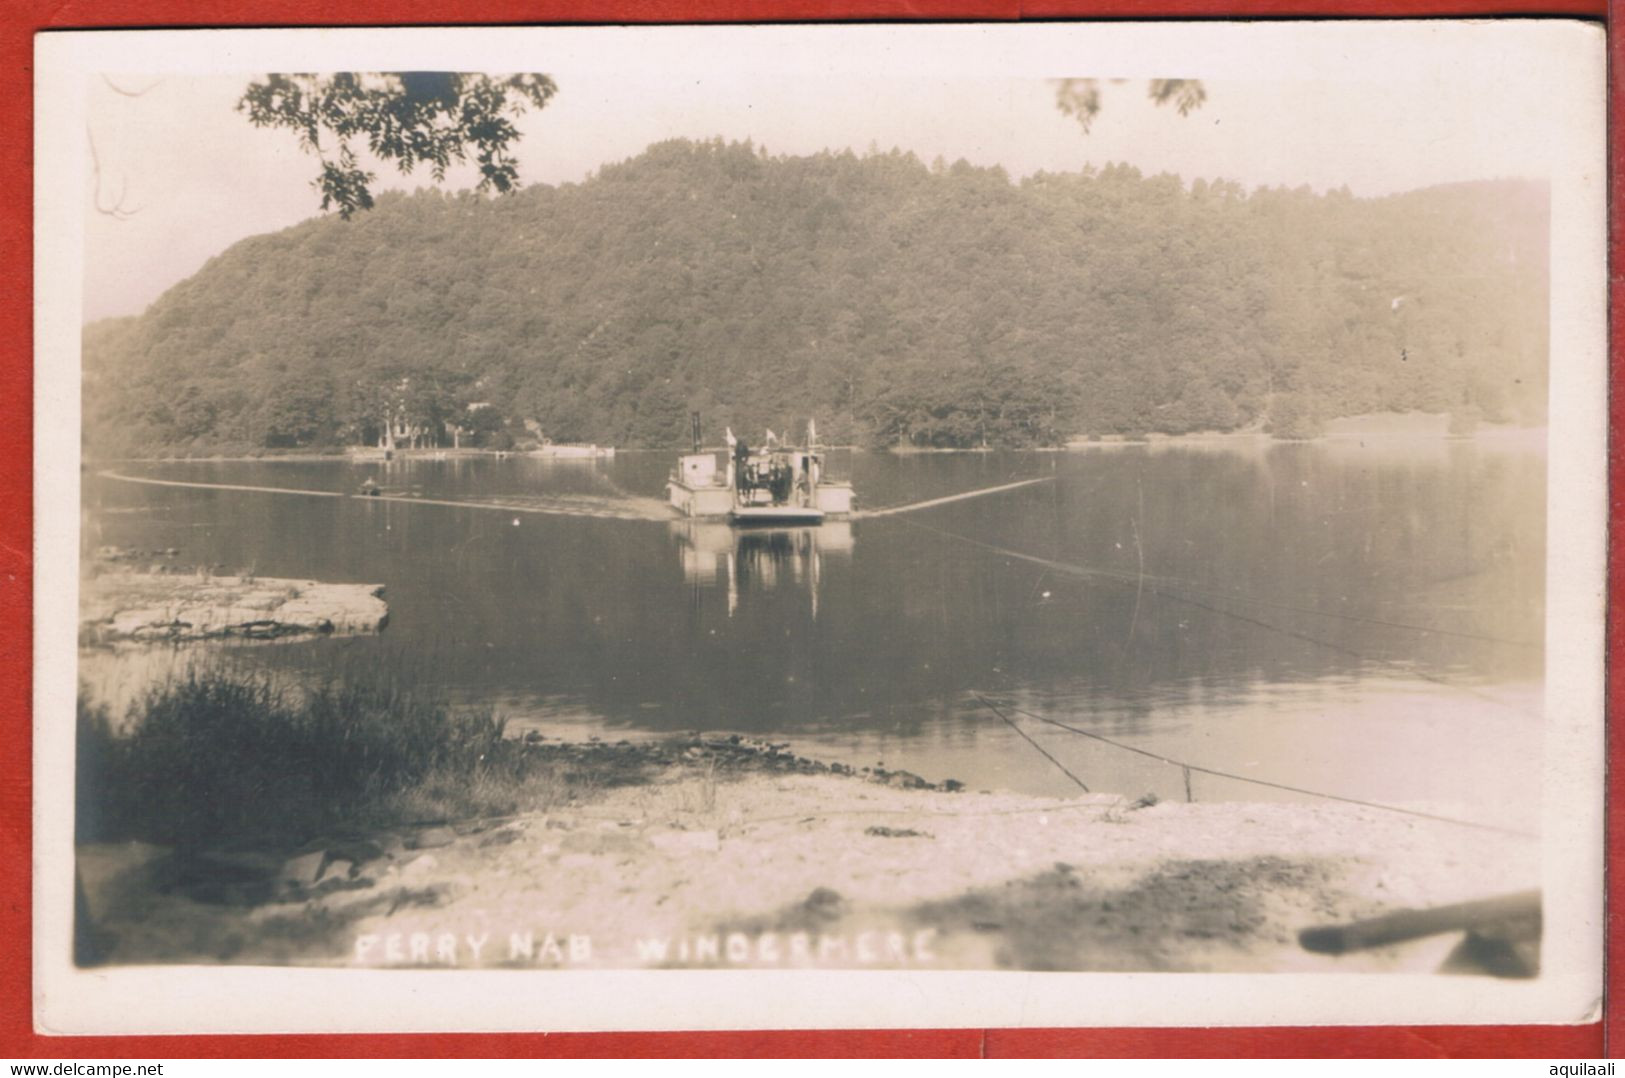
[820, 526]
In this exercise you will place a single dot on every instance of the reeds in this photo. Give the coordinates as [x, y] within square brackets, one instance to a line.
[219, 757]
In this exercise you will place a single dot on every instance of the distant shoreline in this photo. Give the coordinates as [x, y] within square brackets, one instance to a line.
[1110, 441]
[1251, 438]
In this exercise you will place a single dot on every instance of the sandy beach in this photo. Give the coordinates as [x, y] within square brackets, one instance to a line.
[691, 856]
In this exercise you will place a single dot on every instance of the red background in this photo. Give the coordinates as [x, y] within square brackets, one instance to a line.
[20, 19]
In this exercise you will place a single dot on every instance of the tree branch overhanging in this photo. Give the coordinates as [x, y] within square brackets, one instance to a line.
[436, 119]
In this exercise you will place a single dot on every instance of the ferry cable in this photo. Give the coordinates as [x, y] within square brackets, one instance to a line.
[932, 503]
[1155, 582]
[221, 486]
[1246, 778]
[1043, 751]
[1124, 578]
[629, 513]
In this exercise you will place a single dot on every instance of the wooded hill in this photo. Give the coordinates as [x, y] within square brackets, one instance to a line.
[897, 302]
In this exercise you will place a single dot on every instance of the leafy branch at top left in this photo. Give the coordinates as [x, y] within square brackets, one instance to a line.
[433, 118]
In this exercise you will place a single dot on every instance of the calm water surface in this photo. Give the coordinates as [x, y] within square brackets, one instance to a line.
[1358, 618]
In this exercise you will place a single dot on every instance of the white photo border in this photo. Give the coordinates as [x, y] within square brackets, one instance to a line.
[1563, 57]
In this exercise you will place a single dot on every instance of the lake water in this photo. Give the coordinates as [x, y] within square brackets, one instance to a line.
[1362, 619]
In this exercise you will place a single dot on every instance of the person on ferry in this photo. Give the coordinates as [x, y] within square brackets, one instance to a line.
[742, 469]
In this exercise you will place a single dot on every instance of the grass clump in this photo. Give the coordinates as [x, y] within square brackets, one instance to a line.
[218, 758]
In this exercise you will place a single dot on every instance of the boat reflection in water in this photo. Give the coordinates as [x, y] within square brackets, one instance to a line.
[760, 558]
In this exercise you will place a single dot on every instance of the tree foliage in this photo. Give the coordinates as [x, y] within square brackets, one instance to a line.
[895, 301]
[1080, 98]
[410, 118]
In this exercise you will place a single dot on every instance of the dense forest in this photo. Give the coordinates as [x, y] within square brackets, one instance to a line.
[899, 303]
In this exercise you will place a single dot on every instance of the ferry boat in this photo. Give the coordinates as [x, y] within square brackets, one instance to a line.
[776, 485]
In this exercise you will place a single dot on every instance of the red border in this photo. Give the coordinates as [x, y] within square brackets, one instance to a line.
[25, 17]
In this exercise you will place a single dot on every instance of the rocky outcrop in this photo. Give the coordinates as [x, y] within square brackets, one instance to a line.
[119, 605]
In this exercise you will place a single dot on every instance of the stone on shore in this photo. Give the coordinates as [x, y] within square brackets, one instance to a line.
[431, 838]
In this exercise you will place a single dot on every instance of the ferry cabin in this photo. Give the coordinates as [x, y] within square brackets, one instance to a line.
[766, 486]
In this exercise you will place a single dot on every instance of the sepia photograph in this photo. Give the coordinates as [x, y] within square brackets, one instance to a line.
[883, 525]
